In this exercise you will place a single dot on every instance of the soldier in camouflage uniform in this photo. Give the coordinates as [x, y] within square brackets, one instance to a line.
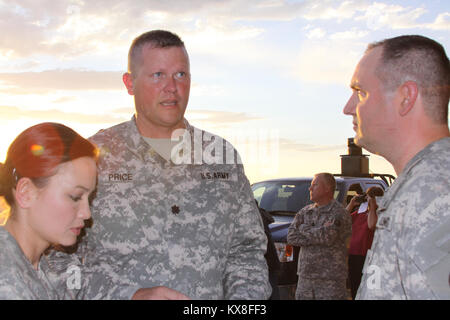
[182, 216]
[400, 109]
[321, 230]
[46, 180]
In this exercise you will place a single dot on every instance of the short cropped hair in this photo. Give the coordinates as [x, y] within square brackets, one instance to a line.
[329, 180]
[419, 59]
[155, 38]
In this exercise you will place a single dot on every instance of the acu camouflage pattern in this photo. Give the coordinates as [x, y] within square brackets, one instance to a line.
[190, 227]
[321, 289]
[323, 249]
[18, 278]
[410, 251]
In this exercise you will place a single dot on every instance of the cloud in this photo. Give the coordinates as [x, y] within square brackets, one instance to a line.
[13, 113]
[442, 22]
[54, 80]
[379, 15]
[207, 90]
[328, 62]
[288, 144]
[227, 30]
[205, 117]
[376, 15]
[352, 34]
[222, 118]
[326, 10]
[68, 28]
[316, 33]
[330, 58]
[64, 100]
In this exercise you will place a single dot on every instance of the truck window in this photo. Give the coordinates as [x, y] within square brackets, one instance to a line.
[258, 192]
[371, 184]
[340, 192]
[281, 197]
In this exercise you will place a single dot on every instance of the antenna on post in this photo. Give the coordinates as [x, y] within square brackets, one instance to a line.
[354, 163]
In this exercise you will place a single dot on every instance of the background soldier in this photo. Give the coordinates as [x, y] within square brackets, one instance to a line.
[321, 231]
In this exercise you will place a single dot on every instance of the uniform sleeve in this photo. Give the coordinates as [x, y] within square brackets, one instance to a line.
[11, 292]
[327, 234]
[100, 281]
[295, 237]
[425, 259]
[12, 288]
[246, 272]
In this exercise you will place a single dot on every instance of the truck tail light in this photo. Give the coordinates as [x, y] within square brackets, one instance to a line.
[289, 251]
[285, 252]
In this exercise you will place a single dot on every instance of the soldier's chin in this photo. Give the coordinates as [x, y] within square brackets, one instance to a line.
[68, 242]
[365, 143]
[357, 140]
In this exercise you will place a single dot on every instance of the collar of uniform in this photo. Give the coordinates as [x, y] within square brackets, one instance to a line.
[190, 135]
[142, 147]
[426, 152]
[134, 139]
[133, 134]
[327, 207]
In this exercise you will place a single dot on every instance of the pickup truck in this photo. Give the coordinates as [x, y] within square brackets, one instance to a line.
[283, 198]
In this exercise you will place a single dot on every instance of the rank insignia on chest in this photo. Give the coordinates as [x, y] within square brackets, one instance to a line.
[175, 209]
[384, 223]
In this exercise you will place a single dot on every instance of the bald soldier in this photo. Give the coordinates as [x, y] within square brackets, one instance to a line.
[321, 230]
[399, 106]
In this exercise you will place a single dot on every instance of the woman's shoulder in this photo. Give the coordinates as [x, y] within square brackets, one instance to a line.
[13, 269]
[8, 248]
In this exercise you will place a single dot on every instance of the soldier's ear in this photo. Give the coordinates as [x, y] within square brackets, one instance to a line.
[408, 96]
[128, 81]
[25, 193]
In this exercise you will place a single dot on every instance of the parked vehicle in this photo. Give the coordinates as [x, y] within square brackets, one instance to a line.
[284, 197]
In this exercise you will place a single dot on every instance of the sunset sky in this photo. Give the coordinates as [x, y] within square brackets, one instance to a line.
[272, 76]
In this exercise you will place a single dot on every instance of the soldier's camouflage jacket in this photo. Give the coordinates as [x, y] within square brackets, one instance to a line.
[321, 232]
[184, 224]
[410, 257]
[19, 280]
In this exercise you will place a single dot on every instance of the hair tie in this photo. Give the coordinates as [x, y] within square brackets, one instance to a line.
[16, 178]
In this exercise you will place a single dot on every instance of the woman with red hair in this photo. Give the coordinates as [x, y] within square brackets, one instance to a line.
[46, 180]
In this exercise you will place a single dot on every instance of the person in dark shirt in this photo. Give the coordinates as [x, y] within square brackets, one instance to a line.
[271, 255]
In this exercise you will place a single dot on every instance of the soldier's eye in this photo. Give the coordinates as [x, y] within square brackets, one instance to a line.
[157, 76]
[180, 75]
[361, 94]
[75, 198]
